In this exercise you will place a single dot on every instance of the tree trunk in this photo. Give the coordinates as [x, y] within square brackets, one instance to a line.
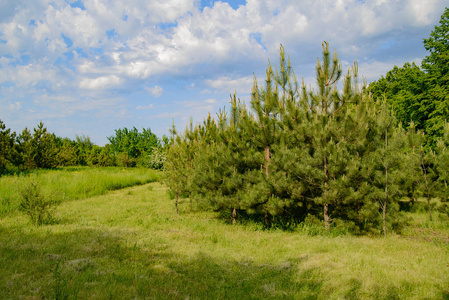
[359, 217]
[384, 206]
[176, 203]
[267, 159]
[384, 219]
[326, 205]
[326, 217]
[267, 220]
[190, 199]
[427, 186]
[234, 216]
[267, 162]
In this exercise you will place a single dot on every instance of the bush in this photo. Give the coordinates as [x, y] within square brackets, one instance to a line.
[36, 205]
[124, 160]
[155, 160]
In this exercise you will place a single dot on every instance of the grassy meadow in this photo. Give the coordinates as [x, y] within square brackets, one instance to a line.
[128, 243]
[72, 183]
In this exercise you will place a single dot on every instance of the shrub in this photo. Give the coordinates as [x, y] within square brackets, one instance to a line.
[36, 205]
[155, 160]
[124, 160]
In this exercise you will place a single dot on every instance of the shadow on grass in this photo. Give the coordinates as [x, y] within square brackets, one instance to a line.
[100, 264]
[37, 262]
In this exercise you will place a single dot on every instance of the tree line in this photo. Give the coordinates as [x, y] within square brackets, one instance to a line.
[41, 149]
[342, 154]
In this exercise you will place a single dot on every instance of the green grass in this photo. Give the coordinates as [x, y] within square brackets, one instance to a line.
[129, 244]
[72, 183]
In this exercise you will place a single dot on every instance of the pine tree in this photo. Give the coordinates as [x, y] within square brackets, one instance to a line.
[442, 166]
[44, 146]
[386, 161]
[332, 122]
[423, 165]
[231, 151]
[67, 154]
[6, 147]
[175, 168]
[26, 150]
[263, 130]
[190, 146]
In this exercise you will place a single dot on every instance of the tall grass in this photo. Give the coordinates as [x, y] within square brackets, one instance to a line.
[72, 183]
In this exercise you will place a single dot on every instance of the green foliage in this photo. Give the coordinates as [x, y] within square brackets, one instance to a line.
[442, 165]
[332, 154]
[124, 160]
[405, 90]
[6, 148]
[26, 151]
[155, 160]
[385, 162]
[437, 62]
[40, 149]
[67, 154]
[132, 142]
[37, 150]
[177, 166]
[421, 95]
[332, 122]
[44, 147]
[39, 207]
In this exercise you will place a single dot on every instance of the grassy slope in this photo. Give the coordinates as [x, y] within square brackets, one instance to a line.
[129, 244]
[72, 183]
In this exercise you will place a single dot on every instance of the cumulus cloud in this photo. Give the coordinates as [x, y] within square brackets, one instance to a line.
[95, 49]
[229, 85]
[114, 41]
[156, 91]
[102, 82]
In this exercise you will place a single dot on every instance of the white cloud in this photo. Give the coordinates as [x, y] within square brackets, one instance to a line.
[61, 56]
[143, 107]
[230, 85]
[15, 105]
[168, 115]
[211, 101]
[156, 91]
[103, 82]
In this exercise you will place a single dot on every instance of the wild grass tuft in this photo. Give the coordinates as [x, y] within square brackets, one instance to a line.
[39, 207]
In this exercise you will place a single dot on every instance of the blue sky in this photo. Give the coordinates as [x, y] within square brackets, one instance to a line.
[88, 67]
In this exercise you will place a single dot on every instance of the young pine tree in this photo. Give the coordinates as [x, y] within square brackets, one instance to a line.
[331, 128]
[422, 167]
[6, 147]
[386, 162]
[176, 167]
[230, 151]
[263, 131]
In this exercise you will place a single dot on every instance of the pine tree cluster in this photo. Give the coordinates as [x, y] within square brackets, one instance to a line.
[332, 153]
[41, 149]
